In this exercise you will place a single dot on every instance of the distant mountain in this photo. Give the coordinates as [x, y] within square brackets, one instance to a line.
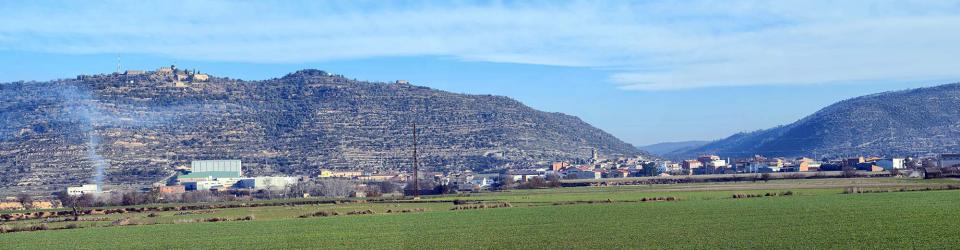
[136, 128]
[665, 148]
[924, 120]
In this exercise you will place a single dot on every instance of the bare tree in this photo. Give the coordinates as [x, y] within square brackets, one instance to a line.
[25, 200]
[85, 200]
[131, 198]
[553, 180]
[336, 187]
[849, 172]
[387, 186]
[199, 196]
[373, 191]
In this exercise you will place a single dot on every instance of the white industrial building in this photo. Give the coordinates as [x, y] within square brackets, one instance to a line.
[217, 166]
[892, 163]
[81, 190]
[717, 163]
[228, 174]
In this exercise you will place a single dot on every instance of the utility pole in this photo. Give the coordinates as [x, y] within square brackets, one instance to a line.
[416, 170]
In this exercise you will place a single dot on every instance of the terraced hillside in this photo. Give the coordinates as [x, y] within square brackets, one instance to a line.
[55, 133]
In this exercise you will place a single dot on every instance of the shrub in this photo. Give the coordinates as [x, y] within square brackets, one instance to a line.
[40, 227]
[483, 206]
[248, 217]
[765, 177]
[320, 214]
[849, 172]
[215, 219]
[412, 210]
[368, 211]
[121, 222]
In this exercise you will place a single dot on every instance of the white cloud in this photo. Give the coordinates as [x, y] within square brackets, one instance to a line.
[646, 45]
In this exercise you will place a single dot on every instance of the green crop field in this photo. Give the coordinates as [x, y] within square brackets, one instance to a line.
[704, 216]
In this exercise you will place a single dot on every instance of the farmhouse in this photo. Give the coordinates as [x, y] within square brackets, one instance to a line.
[557, 166]
[582, 174]
[690, 164]
[526, 174]
[619, 173]
[81, 190]
[484, 180]
[890, 163]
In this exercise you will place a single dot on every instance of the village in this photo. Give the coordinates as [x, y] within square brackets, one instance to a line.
[217, 180]
[225, 179]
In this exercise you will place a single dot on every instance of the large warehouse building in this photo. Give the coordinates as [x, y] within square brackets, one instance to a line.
[228, 174]
[233, 166]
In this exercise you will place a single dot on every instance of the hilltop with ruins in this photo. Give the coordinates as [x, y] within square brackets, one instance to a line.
[144, 124]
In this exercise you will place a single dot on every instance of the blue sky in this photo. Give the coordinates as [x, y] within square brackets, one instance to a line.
[645, 71]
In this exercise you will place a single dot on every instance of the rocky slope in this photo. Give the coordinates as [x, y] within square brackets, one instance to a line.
[916, 121]
[137, 128]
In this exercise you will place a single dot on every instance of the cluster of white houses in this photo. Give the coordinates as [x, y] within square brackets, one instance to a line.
[227, 174]
[220, 175]
[713, 164]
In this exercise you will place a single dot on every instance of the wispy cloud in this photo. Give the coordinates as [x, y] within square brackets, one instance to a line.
[648, 45]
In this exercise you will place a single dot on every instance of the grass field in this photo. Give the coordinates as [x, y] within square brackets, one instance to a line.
[816, 216]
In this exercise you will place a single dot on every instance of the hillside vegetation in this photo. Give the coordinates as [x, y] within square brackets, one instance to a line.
[916, 121]
[52, 133]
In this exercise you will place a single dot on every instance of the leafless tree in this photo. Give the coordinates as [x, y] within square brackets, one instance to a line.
[336, 187]
[387, 186]
[849, 172]
[25, 200]
[553, 180]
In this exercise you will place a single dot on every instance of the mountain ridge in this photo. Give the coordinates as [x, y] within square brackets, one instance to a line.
[903, 122]
[665, 148]
[145, 124]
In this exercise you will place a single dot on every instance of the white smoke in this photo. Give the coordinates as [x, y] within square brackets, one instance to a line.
[83, 110]
[93, 117]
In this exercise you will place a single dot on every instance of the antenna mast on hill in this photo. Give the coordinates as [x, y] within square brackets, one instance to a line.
[118, 63]
[416, 170]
